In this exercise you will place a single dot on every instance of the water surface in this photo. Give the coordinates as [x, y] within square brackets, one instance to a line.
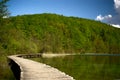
[87, 67]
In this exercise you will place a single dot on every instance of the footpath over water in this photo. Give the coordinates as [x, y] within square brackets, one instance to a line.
[25, 69]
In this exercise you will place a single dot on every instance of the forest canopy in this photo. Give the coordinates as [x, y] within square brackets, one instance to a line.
[40, 33]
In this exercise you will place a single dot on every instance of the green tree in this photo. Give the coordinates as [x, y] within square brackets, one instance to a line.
[3, 8]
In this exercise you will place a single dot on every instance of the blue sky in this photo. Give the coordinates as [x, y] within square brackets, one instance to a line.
[80, 8]
[103, 10]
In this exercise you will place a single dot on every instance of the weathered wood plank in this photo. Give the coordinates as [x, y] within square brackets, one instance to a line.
[31, 70]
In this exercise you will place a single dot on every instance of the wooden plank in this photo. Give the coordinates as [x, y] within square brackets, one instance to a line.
[31, 70]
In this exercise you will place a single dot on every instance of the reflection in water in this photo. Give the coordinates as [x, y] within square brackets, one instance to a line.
[87, 67]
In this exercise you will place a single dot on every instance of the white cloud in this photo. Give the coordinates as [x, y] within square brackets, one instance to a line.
[112, 20]
[116, 18]
[117, 3]
[118, 26]
[101, 18]
[5, 16]
[117, 6]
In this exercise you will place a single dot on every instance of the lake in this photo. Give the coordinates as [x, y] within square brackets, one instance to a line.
[87, 67]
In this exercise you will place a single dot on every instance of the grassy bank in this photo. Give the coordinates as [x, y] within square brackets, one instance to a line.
[5, 71]
[87, 67]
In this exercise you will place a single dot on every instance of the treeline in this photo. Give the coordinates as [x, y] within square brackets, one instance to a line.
[54, 33]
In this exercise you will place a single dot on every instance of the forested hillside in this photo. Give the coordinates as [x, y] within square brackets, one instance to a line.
[57, 34]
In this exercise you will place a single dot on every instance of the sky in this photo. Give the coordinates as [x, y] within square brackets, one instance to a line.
[102, 10]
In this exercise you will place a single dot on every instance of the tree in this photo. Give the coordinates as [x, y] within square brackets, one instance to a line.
[3, 8]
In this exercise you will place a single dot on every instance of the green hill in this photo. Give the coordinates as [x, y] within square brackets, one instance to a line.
[57, 34]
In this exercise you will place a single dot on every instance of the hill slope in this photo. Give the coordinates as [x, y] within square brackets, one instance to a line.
[56, 33]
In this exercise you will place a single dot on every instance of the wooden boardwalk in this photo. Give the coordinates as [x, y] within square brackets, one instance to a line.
[31, 70]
